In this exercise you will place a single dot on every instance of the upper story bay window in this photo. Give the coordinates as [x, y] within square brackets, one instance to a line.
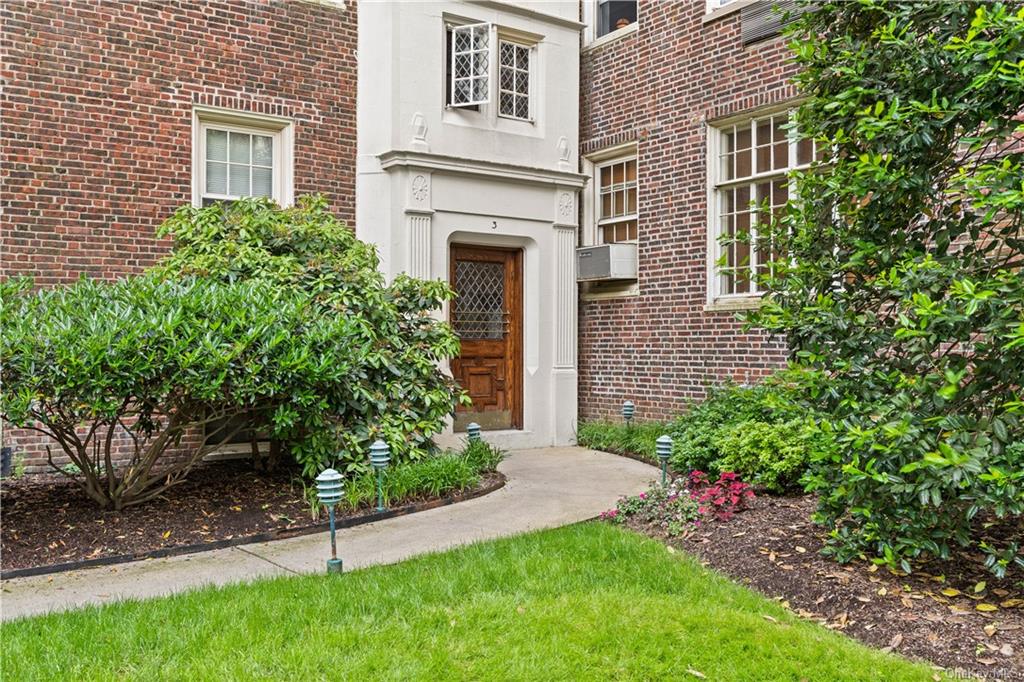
[749, 165]
[484, 66]
[238, 155]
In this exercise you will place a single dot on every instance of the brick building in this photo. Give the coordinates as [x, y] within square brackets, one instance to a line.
[667, 101]
[116, 113]
[104, 104]
[588, 123]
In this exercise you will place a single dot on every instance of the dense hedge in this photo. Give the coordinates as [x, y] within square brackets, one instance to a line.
[148, 360]
[901, 276]
[763, 432]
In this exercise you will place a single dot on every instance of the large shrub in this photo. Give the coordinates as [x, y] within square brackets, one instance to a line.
[399, 393]
[127, 369]
[902, 284]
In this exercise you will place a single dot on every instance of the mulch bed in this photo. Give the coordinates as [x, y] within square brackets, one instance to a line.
[48, 520]
[953, 614]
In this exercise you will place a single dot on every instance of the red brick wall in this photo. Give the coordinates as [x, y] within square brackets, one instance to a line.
[97, 101]
[659, 86]
[95, 146]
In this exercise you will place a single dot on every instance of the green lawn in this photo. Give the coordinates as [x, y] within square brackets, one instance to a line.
[588, 602]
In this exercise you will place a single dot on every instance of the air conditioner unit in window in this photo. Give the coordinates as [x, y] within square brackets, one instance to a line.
[606, 263]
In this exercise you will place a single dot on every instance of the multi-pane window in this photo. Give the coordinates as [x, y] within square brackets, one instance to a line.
[514, 80]
[470, 65]
[614, 14]
[237, 154]
[750, 181]
[617, 201]
[237, 164]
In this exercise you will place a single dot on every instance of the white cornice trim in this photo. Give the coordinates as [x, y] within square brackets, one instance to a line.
[399, 158]
[725, 10]
[531, 13]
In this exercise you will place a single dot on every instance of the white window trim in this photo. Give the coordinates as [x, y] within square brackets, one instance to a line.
[488, 113]
[716, 9]
[590, 38]
[491, 52]
[590, 233]
[531, 75]
[600, 222]
[741, 301]
[281, 129]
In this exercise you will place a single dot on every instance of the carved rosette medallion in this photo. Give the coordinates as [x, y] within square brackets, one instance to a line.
[420, 189]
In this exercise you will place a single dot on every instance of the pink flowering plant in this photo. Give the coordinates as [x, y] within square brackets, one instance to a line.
[683, 502]
[669, 508]
[721, 498]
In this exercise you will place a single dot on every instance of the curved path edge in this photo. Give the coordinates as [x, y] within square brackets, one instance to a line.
[544, 488]
[268, 536]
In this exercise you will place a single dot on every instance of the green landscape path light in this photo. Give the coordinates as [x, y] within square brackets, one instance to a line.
[329, 490]
[664, 449]
[473, 431]
[628, 410]
[380, 456]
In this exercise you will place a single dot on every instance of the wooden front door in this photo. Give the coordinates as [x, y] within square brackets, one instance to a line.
[487, 315]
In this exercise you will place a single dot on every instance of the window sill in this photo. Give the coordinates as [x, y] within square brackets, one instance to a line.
[527, 121]
[612, 37]
[725, 305]
[726, 10]
[488, 119]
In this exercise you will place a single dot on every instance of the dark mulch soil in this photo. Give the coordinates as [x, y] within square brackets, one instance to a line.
[50, 521]
[953, 614]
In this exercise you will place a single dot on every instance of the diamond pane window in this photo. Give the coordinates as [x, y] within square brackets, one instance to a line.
[470, 65]
[617, 201]
[750, 181]
[479, 310]
[514, 80]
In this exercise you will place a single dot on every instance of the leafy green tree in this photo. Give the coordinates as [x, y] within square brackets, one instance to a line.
[399, 392]
[902, 283]
[119, 373]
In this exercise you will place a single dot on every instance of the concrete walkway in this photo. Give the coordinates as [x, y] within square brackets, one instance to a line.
[546, 488]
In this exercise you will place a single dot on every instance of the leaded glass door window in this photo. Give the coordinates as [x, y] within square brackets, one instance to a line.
[487, 316]
[480, 311]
